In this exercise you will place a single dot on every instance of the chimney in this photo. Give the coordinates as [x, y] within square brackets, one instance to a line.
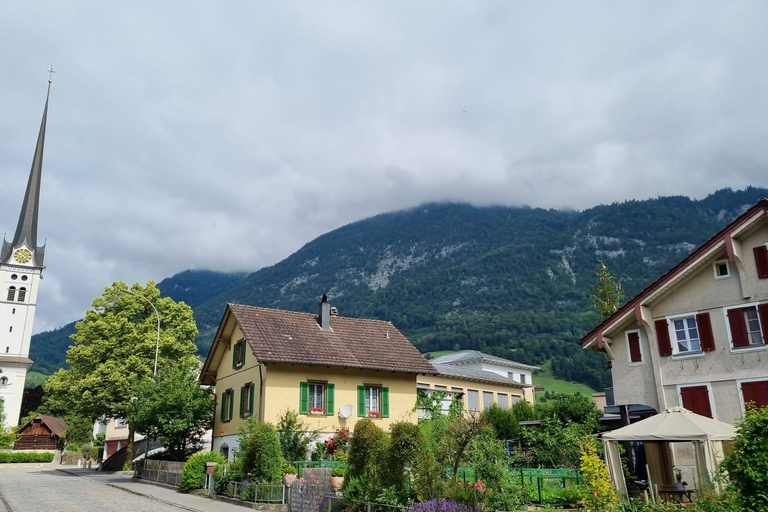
[324, 314]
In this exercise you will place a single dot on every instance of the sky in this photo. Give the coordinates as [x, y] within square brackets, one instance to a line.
[226, 135]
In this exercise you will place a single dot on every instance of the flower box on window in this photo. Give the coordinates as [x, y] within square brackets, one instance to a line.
[316, 410]
[374, 414]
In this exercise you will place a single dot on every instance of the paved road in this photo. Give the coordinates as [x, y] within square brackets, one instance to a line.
[33, 488]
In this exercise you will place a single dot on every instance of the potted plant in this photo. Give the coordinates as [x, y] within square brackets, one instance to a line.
[289, 474]
[337, 477]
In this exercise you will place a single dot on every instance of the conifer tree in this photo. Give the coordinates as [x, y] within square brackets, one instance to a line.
[606, 292]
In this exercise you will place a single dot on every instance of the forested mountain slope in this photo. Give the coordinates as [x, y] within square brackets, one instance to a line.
[514, 282]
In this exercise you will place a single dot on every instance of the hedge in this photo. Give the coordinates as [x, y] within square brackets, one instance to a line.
[193, 473]
[11, 457]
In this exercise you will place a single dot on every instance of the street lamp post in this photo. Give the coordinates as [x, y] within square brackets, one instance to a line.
[157, 350]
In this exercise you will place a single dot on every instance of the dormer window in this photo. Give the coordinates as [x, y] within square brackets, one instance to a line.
[12, 293]
[3, 381]
[22, 294]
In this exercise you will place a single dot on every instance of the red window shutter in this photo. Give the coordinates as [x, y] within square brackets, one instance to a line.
[761, 261]
[706, 337]
[755, 392]
[762, 313]
[635, 355]
[739, 337]
[761, 395]
[748, 392]
[662, 337]
[696, 399]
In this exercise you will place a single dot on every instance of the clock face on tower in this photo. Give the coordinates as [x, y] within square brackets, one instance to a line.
[22, 256]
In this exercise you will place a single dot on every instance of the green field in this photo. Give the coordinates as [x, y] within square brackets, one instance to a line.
[542, 377]
[35, 379]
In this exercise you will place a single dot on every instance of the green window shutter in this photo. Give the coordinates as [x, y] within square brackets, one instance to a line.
[385, 402]
[224, 406]
[242, 401]
[330, 399]
[361, 401]
[242, 352]
[250, 398]
[304, 398]
[231, 403]
[234, 355]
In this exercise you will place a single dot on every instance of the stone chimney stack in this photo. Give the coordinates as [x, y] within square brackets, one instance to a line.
[324, 314]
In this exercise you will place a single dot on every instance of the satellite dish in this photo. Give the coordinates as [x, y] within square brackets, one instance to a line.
[345, 411]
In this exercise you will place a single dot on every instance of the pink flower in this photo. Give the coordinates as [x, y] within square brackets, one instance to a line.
[709, 495]
[582, 502]
[302, 480]
[594, 494]
[248, 474]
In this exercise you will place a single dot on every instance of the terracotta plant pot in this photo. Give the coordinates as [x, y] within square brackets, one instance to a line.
[337, 482]
[288, 479]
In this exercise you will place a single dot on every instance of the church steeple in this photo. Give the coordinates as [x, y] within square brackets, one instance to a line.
[26, 229]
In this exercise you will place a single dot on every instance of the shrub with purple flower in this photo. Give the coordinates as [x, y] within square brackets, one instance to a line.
[440, 505]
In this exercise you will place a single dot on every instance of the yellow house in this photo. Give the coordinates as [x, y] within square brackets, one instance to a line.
[332, 370]
[482, 379]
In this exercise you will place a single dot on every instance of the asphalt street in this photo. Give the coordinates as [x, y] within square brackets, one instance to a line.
[39, 488]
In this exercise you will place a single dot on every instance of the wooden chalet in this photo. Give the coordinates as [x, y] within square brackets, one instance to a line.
[41, 433]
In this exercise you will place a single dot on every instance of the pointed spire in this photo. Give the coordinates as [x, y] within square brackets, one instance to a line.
[26, 229]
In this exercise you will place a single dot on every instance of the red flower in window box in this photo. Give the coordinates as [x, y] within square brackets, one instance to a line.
[374, 414]
[316, 410]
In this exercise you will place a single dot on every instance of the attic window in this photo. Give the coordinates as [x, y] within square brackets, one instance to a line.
[287, 336]
[722, 270]
[3, 381]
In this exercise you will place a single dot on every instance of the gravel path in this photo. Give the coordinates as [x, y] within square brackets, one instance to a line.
[31, 488]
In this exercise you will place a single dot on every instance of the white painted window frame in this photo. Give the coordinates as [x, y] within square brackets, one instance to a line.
[697, 384]
[738, 390]
[728, 329]
[673, 336]
[727, 266]
[640, 342]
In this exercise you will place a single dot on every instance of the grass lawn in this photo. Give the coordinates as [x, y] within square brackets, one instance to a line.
[543, 378]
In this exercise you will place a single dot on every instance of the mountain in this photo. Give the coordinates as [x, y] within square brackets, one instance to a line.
[514, 282]
[49, 349]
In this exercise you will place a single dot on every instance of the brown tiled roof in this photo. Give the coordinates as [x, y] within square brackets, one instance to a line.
[278, 336]
[56, 425]
[16, 359]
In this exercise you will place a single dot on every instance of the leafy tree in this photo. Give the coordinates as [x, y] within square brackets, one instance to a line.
[114, 351]
[606, 292]
[7, 435]
[260, 452]
[430, 478]
[568, 408]
[503, 421]
[459, 433]
[747, 464]
[174, 409]
[364, 469]
[295, 435]
[406, 441]
[524, 411]
[598, 492]
[79, 430]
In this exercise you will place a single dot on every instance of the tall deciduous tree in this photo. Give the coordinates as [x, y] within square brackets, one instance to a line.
[173, 409]
[7, 436]
[606, 292]
[114, 351]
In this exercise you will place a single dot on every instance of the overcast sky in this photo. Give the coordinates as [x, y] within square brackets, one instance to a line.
[226, 135]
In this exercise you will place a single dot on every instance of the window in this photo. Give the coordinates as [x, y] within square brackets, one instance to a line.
[487, 399]
[3, 381]
[373, 401]
[754, 394]
[472, 400]
[22, 294]
[120, 423]
[697, 399]
[317, 398]
[515, 399]
[721, 269]
[440, 388]
[246, 399]
[761, 260]
[523, 379]
[12, 293]
[686, 335]
[227, 402]
[224, 450]
[633, 345]
[238, 354]
[503, 403]
[23, 278]
[747, 325]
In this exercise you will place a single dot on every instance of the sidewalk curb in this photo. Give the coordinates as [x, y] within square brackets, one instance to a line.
[137, 493]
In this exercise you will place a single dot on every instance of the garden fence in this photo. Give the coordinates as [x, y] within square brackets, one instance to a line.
[301, 464]
[161, 471]
[308, 492]
[256, 493]
[551, 486]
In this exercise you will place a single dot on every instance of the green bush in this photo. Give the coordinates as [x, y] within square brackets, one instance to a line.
[193, 473]
[14, 457]
[503, 421]
[260, 453]
[364, 469]
[747, 464]
[405, 443]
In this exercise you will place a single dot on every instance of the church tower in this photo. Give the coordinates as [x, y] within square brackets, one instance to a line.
[21, 269]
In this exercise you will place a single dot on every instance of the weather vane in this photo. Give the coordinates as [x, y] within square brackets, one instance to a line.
[50, 74]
